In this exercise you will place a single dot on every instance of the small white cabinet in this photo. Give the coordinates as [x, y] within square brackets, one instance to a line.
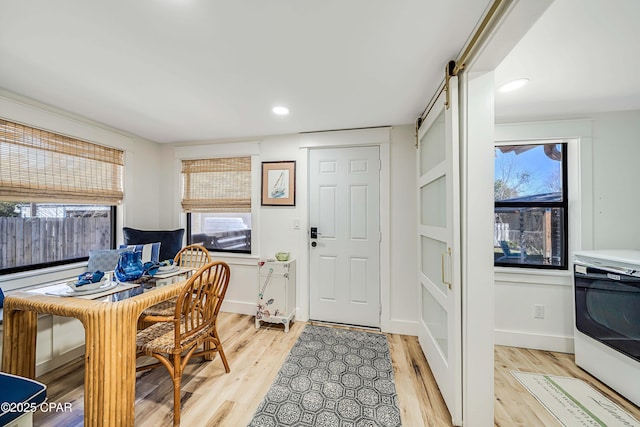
[276, 292]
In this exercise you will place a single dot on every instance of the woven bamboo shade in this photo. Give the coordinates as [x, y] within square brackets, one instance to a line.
[217, 185]
[42, 166]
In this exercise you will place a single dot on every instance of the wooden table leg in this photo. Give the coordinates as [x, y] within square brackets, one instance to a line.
[110, 374]
[20, 329]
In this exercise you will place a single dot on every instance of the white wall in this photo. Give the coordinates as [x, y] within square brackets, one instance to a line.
[616, 174]
[404, 289]
[277, 232]
[607, 169]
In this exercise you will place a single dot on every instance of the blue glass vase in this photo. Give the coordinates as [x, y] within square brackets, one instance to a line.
[129, 266]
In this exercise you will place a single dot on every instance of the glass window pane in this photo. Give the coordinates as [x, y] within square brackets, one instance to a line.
[433, 203]
[528, 173]
[432, 145]
[226, 231]
[434, 318]
[34, 235]
[432, 251]
[529, 236]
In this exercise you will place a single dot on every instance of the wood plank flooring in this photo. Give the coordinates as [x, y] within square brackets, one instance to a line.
[515, 406]
[210, 397]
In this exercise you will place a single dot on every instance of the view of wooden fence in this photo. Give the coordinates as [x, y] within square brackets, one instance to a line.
[26, 241]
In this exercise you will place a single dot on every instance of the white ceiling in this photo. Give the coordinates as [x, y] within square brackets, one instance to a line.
[581, 56]
[187, 70]
[184, 70]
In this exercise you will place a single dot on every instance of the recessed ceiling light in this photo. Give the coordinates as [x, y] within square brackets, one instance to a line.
[280, 110]
[516, 84]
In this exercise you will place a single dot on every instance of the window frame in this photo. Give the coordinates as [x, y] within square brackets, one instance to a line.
[191, 166]
[564, 205]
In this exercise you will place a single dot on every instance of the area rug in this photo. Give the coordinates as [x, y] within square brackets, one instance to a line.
[333, 378]
[573, 402]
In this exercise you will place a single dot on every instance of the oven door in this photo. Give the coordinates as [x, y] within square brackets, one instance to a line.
[607, 307]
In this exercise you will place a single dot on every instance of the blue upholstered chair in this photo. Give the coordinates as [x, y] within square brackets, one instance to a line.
[19, 393]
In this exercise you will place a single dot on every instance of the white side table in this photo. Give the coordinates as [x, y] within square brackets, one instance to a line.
[276, 301]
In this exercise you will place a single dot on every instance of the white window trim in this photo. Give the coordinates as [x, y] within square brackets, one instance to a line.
[236, 149]
[577, 134]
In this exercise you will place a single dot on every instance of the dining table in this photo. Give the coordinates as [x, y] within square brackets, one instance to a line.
[110, 324]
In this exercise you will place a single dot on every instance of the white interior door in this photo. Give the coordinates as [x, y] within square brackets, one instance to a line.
[344, 258]
[439, 298]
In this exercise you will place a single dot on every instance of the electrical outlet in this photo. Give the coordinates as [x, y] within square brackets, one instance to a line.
[538, 311]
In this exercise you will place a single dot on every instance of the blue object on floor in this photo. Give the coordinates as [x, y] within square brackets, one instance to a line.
[21, 392]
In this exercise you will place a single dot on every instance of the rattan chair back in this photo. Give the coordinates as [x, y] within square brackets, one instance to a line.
[192, 256]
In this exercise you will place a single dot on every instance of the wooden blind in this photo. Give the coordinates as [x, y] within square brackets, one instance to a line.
[42, 166]
[217, 185]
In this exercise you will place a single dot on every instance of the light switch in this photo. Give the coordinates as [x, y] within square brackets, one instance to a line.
[296, 224]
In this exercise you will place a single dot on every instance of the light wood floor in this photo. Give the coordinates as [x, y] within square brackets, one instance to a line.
[212, 398]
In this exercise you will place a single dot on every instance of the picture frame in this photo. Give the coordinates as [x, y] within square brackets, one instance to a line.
[279, 183]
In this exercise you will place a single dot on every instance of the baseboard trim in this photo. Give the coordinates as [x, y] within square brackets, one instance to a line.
[401, 327]
[59, 360]
[534, 341]
[238, 307]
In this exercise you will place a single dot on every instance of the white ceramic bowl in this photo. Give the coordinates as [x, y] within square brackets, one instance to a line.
[282, 256]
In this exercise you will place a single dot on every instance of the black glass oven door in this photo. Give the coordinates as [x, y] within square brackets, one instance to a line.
[608, 308]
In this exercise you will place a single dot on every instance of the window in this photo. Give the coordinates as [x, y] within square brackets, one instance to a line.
[531, 206]
[57, 197]
[217, 199]
[38, 235]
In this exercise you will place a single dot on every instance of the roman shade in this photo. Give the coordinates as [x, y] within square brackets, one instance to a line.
[42, 166]
[217, 185]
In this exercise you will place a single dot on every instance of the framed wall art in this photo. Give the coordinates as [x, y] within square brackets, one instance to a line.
[279, 183]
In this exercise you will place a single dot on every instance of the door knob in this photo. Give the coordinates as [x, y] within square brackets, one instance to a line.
[314, 244]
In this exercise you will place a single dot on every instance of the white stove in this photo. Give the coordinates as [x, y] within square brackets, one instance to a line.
[607, 318]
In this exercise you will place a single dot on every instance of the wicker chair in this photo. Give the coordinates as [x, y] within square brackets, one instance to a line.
[191, 256]
[174, 340]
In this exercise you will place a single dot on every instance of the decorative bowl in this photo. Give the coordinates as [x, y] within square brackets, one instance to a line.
[282, 256]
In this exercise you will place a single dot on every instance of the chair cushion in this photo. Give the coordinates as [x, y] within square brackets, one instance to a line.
[164, 308]
[104, 259]
[15, 389]
[150, 252]
[160, 338]
[171, 240]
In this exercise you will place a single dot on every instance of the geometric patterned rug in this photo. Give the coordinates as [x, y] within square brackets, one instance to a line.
[333, 378]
